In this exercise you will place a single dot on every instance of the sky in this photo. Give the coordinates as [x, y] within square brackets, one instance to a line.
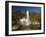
[23, 8]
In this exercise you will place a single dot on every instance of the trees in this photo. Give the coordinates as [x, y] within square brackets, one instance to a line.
[35, 17]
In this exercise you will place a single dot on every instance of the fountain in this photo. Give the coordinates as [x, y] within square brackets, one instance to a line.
[25, 21]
